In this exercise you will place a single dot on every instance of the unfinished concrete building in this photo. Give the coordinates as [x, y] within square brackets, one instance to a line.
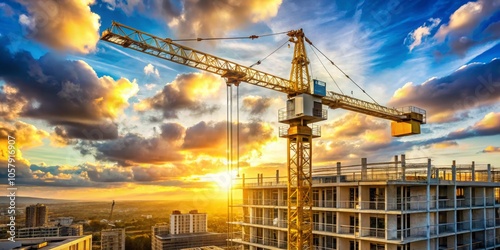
[393, 205]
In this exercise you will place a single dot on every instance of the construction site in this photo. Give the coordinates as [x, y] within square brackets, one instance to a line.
[396, 205]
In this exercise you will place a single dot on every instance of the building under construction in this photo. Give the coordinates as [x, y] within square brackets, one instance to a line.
[393, 205]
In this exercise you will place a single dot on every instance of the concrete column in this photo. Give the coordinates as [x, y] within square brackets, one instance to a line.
[473, 171]
[454, 171]
[429, 169]
[489, 172]
[277, 176]
[403, 167]
[338, 171]
[363, 169]
[243, 180]
[428, 196]
[396, 168]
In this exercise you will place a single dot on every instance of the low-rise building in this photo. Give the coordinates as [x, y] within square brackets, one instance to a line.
[182, 241]
[53, 243]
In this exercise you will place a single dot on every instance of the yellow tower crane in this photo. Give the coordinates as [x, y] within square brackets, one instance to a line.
[304, 106]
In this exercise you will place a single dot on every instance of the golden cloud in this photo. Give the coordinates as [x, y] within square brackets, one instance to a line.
[491, 149]
[186, 92]
[215, 18]
[63, 25]
[115, 95]
[489, 122]
[25, 136]
[445, 144]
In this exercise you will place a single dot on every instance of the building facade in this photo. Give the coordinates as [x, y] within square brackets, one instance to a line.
[182, 241]
[113, 239]
[35, 232]
[71, 230]
[193, 222]
[394, 206]
[36, 216]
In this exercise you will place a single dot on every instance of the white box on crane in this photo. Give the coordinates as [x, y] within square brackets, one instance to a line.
[305, 106]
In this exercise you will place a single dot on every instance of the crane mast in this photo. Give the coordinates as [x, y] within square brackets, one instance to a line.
[304, 107]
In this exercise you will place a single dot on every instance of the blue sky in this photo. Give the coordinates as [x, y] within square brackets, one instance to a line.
[97, 117]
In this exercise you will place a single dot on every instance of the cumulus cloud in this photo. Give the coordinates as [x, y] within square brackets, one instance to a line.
[132, 149]
[489, 125]
[27, 136]
[210, 138]
[449, 98]
[151, 70]
[256, 105]
[214, 18]
[416, 37]
[62, 92]
[352, 136]
[491, 149]
[464, 22]
[62, 25]
[191, 18]
[186, 92]
[176, 143]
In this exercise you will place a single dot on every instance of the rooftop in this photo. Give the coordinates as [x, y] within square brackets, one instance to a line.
[42, 243]
[404, 171]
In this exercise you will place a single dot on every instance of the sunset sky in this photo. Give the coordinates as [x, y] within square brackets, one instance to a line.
[95, 121]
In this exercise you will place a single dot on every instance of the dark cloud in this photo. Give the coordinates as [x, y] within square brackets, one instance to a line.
[104, 131]
[108, 174]
[132, 149]
[449, 98]
[173, 143]
[256, 105]
[62, 92]
[186, 92]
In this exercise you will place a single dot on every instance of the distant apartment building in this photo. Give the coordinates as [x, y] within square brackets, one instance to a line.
[193, 222]
[392, 206]
[71, 230]
[53, 243]
[63, 221]
[35, 232]
[36, 215]
[113, 239]
[183, 241]
[160, 228]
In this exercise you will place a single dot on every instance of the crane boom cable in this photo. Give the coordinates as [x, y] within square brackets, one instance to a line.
[345, 74]
[260, 61]
[237, 130]
[316, 54]
[199, 39]
[228, 146]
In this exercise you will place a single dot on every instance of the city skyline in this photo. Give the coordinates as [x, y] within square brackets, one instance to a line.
[90, 117]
